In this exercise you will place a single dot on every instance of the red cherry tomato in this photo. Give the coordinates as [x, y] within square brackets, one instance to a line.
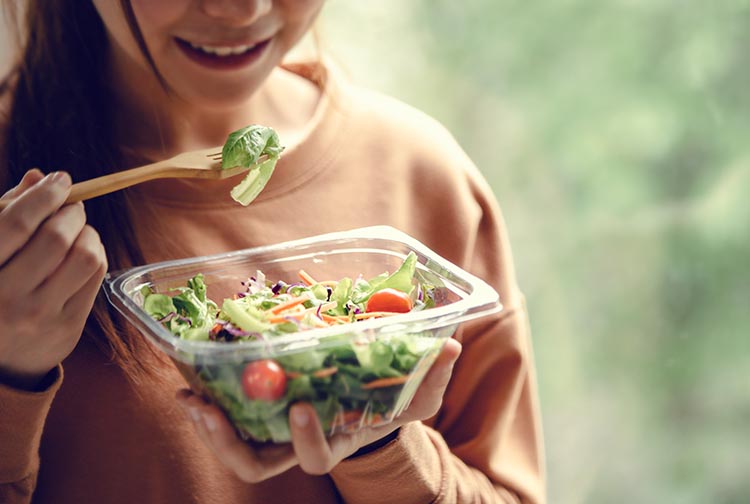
[389, 300]
[264, 380]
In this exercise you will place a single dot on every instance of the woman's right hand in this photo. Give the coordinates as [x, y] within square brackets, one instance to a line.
[51, 266]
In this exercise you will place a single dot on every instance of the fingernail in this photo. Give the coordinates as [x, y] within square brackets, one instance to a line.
[210, 422]
[300, 417]
[454, 343]
[194, 414]
[27, 175]
[59, 178]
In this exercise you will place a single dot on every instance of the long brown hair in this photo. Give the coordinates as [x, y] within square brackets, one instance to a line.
[61, 119]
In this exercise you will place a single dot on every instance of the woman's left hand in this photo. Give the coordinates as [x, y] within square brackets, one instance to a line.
[310, 449]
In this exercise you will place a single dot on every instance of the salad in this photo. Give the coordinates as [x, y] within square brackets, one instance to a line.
[351, 380]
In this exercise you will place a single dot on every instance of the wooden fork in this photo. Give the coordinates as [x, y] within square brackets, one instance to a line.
[196, 164]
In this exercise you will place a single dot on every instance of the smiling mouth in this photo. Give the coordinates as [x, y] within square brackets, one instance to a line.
[223, 50]
[221, 56]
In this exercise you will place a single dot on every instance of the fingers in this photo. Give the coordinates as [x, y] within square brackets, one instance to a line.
[429, 396]
[216, 432]
[25, 213]
[79, 304]
[30, 178]
[81, 272]
[308, 439]
[317, 454]
[440, 372]
[49, 246]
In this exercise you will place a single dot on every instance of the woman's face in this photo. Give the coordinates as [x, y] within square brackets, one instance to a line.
[211, 53]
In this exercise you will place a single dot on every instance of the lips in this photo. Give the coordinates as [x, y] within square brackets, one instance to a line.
[222, 57]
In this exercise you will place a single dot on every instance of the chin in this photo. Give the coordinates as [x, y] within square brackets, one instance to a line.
[219, 99]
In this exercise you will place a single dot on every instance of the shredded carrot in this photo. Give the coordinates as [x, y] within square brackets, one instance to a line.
[306, 277]
[322, 373]
[337, 319]
[385, 382]
[344, 418]
[301, 313]
[288, 304]
[347, 417]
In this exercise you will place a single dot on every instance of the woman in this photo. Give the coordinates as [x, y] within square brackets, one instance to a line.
[103, 86]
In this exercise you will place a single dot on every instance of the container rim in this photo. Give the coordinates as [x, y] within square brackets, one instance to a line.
[481, 300]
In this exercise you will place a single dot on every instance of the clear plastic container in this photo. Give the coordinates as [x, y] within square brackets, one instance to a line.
[343, 405]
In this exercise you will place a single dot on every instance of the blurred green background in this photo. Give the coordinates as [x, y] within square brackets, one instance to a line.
[615, 136]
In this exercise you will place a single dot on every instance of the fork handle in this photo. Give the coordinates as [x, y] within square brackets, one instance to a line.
[106, 184]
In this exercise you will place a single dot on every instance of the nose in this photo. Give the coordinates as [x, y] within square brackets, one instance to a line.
[237, 11]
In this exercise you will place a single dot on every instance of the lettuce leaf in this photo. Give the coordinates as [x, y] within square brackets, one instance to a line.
[401, 280]
[195, 314]
[245, 147]
[254, 182]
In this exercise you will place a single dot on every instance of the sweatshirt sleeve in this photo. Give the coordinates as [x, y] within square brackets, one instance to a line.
[485, 443]
[22, 417]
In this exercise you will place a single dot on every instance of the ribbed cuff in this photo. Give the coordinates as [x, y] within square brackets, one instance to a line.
[405, 470]
[376, 445]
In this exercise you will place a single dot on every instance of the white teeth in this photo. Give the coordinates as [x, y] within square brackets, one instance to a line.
[241, 49]
[222, 50]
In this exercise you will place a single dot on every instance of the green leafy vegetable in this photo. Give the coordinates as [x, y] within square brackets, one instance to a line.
[401, 279]
[254, 182]
[159, 305]
[241, 318]
[190, 314]
[245, 147]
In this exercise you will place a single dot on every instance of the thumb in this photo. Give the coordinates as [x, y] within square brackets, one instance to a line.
[441, 371]
[429, 396]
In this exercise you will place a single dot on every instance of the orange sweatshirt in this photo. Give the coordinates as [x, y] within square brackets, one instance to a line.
[94, 436]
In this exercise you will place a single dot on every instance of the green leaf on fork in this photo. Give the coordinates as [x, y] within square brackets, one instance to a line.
[244, 147]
